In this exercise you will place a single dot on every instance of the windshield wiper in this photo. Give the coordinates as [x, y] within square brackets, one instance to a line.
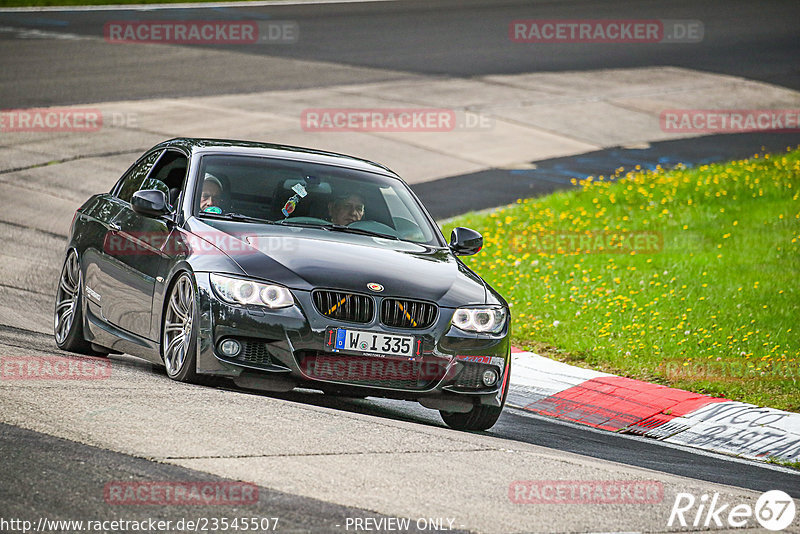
[234, 217]
[337, 228]
[287, 222]
[360, 231]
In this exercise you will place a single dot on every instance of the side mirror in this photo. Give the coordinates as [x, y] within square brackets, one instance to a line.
[465, 242]
[150, 203]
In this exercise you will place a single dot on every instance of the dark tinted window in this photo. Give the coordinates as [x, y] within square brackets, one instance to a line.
[170, 169]
[135, 176]
[168, 175]
[312, 194]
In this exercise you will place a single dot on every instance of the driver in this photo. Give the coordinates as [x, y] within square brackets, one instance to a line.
[346, 208]
[212, 193]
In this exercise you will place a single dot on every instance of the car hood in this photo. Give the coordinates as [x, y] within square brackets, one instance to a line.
[306, 259]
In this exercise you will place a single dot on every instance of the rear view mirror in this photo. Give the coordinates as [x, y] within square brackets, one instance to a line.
[465, 242]
[150, 203]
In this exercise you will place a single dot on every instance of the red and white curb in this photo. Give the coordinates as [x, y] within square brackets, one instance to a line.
[601, 400]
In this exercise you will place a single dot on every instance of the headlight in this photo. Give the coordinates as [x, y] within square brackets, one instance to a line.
[241, 291]
[480, 319]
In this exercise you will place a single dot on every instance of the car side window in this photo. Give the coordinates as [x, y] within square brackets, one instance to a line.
[170, 172]
[134, 178]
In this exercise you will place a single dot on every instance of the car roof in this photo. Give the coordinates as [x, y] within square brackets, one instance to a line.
[251, 148]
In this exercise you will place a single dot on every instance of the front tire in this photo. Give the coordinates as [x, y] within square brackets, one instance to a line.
[68, 316]
[481, 417]
[179, 331]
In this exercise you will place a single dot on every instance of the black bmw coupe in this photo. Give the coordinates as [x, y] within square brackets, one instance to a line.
[282, 267]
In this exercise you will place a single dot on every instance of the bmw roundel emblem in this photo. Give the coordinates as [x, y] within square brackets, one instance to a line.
[375, 287]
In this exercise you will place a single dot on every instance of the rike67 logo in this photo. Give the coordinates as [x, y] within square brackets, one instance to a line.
[774, 510]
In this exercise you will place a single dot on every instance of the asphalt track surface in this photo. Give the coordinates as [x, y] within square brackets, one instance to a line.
[756, 40]
[358, 43]
[64, 480]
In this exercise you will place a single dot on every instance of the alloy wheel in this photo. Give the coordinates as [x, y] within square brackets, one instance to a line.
[67, 297]
[178, 324]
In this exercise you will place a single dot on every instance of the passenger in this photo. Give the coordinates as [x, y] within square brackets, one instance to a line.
[346, 208]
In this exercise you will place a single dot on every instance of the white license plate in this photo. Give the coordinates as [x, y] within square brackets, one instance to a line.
[360, 341]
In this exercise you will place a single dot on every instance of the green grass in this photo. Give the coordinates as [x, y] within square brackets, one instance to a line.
[790, 465]
[711, 303]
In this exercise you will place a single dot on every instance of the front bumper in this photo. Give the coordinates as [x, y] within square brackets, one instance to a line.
[289, 344]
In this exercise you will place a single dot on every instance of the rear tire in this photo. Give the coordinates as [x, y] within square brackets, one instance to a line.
[179, 331]
[68, 315]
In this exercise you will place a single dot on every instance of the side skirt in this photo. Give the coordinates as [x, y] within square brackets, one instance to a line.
[101, 333]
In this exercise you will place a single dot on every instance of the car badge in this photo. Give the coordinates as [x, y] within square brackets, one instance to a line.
[375, 287]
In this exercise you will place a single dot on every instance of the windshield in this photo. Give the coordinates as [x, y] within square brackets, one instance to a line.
[310, 195]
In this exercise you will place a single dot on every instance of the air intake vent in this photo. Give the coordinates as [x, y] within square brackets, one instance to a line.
[255, 352]
[470, 376]
[344, 306]
[407, 313]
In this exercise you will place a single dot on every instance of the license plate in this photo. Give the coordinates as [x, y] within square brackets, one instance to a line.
[373, 342]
